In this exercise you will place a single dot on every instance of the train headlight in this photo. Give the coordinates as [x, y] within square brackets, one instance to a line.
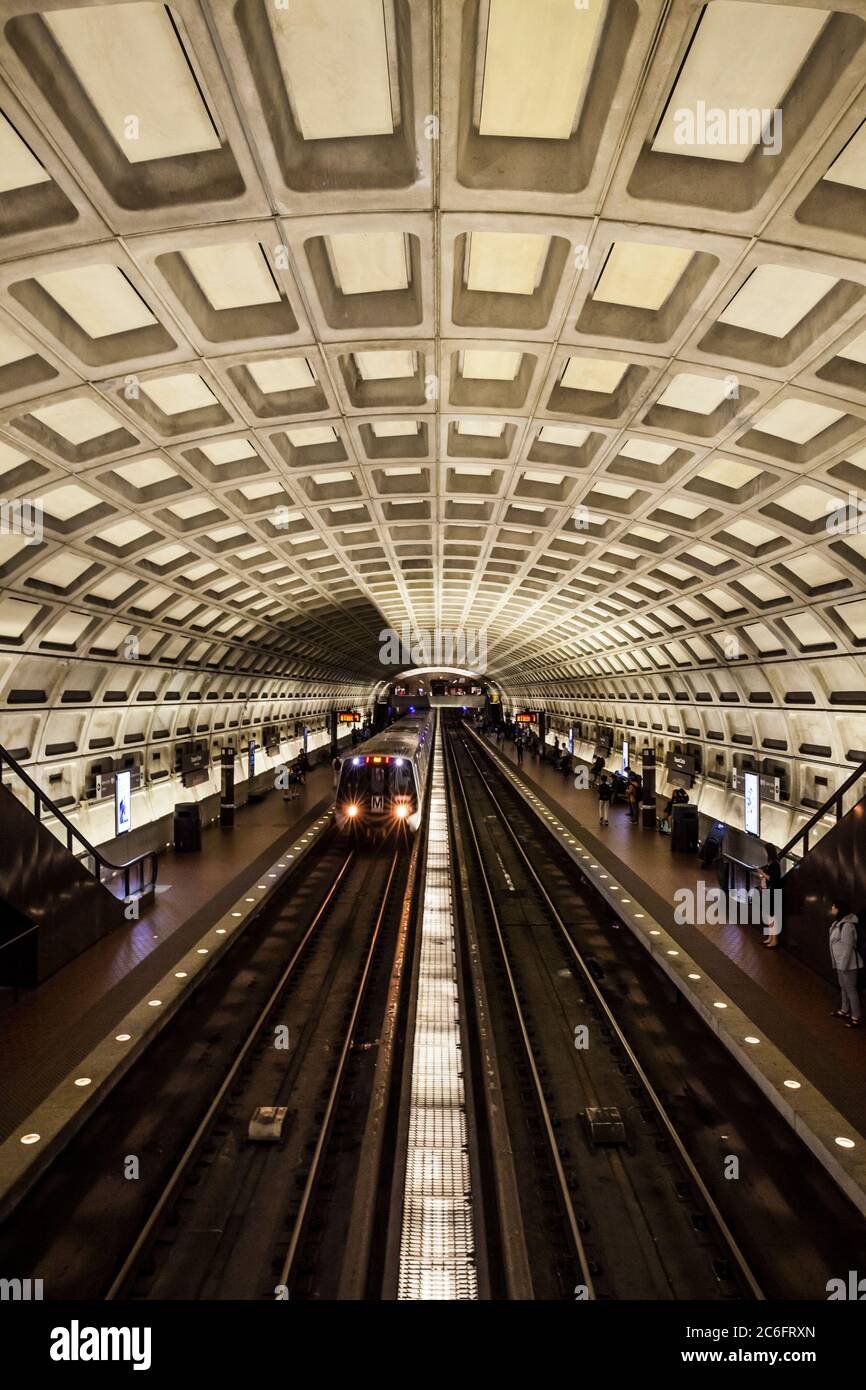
[401, 812]
[351, 810]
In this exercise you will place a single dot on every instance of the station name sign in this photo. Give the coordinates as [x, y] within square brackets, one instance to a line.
[770, 786]
[680, 762]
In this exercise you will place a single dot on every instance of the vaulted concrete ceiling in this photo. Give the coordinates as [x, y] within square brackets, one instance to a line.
[327, 315]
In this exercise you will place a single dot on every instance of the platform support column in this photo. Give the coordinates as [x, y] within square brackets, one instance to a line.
[227, 788]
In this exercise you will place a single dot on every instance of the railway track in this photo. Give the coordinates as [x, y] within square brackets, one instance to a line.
[564, 1027]
[618, 1208]
[165, 1117]
[234, 1218]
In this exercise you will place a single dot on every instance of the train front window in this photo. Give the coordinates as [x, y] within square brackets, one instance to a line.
[377, 780]
[352, 777]
[402, 778]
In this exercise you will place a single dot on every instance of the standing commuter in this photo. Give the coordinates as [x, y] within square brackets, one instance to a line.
[771, 883]
[631, 793]
[846, 962]
[519, 746]
[336, 765]
[595, 770]
[604, 794]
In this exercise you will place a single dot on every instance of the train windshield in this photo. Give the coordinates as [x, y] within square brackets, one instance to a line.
[393, 778]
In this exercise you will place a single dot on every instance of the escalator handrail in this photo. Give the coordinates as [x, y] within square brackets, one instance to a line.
[138, 861]
[833, 800]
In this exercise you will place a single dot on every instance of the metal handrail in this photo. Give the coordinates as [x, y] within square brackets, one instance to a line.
[100, 863]
[833, 800]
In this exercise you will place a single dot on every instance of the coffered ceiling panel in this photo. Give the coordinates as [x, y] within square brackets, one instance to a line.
[547, 320]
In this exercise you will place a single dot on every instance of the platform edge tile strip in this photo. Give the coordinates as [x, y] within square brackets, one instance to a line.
[812, 1117]
[437, 1242]
[59, 1117]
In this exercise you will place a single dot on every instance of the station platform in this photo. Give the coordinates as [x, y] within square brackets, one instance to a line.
[47, 1032]
[785, 1000]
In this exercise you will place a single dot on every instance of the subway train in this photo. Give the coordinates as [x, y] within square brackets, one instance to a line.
[382, 784]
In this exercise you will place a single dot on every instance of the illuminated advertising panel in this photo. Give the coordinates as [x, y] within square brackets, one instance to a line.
[123, 803]
[751, 803]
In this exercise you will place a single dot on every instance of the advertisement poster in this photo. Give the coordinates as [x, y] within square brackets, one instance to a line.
[123, 803]
[751, 803]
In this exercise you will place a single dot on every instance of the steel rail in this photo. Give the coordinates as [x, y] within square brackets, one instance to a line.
[336, 1084]
[571, 1217]
[668, 1125]
[169, 1192]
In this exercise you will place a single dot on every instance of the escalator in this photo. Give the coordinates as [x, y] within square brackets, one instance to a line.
[834, 866]
[58, 894]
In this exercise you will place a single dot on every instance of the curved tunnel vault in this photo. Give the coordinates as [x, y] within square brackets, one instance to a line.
[314, 321]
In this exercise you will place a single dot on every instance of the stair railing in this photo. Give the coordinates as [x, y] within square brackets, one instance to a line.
[834, 802]
[142, 869]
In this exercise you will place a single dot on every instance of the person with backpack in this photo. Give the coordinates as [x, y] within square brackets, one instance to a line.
[604, 795]
[846, 960]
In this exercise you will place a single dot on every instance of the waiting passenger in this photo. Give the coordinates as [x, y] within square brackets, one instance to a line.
[679, 798]
[336, 765]
[771, 883]
[846, 961]
[293, 783]
[632, 792]
[595, 770]
[604, 795]
[519, 747]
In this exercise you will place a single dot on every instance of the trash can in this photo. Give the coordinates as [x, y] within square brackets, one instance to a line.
[187, 827]
[648, 816]
[684, 831]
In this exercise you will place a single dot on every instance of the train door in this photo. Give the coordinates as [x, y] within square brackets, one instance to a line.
[377, 788]
[402, 780]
